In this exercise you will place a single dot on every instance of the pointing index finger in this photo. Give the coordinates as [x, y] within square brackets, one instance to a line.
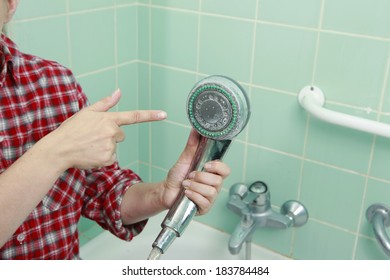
[137, 116]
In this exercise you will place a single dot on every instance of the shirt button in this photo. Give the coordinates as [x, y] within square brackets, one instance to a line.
[21, 237]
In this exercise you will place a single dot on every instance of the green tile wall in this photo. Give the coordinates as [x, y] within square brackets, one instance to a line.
[156, 50]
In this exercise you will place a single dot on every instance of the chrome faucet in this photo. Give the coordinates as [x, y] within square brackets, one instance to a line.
[253, 205]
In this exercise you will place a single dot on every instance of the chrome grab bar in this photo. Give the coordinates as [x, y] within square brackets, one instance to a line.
[379, 216]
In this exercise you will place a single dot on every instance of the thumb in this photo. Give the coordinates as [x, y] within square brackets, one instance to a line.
[106, 103]
[188, 153]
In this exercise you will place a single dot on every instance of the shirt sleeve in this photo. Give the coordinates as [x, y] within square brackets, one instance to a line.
[104, 190]
[102, 201]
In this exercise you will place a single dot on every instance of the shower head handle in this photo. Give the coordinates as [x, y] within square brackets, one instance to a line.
[183, 210]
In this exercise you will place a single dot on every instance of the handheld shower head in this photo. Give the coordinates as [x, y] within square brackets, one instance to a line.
[218, 108]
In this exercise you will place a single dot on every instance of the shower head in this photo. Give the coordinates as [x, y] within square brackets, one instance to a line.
[218, 108]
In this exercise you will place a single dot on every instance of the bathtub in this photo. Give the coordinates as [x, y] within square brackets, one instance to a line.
[198, 242]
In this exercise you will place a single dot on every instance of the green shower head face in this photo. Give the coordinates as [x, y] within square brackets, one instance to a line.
[218, 108]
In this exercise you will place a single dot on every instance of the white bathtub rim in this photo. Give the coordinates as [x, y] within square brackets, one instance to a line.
[107, 246]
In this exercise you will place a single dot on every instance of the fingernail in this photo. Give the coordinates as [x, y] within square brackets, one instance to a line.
[116, 92]
[207, 165]
[186, 183]
[191, 175]
[188, 192]
[161, 115]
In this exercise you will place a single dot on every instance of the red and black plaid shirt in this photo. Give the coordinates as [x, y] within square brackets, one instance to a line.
[36, 96]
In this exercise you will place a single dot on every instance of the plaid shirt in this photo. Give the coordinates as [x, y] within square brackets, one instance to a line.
[36, 96]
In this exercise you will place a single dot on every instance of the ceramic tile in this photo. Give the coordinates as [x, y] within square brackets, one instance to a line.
[168, 141]
[277, 122]
[81, 5]
[144, 104]
[157, 174]
[127, 34]
[93, 231]
[84, 224]
[128, 84]
[188, 4]
[99, 85]
[351, 70]
[386, 101]
[174, 38]
[378, 192]
[39, 8]
[235, 159]
[129, 149]
[143, 172]
[83, 240]
[284, 57]
[332, 196]
[143, 33]
[32, 37]
[369, 249]
[379, 166]
[220, 216]
[362, 17]
[170, 91]
[278, 240]
[235, 8]
[339, 146]
[299, 12]
[225, 53]
[316, 241]
[123, 2]
[278, 171]
[92, 41]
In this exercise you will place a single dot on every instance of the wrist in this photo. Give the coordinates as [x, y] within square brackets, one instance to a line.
[141, 201]
[50, 151]
[161, 195]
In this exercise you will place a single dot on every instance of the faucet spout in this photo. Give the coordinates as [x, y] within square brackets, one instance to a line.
[243, 232]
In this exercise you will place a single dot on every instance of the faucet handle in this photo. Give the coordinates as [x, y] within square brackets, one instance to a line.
[255, 193]
[295, 211]
[241, 197]
[236, 193]
[239, 189]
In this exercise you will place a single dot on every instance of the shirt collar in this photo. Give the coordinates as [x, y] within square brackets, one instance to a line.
[9, 59]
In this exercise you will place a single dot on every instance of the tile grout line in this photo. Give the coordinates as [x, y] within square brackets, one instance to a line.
[198, 40]
[137, 81]
[307, 126]
[251, 74]
[150, 86]
[69, 37]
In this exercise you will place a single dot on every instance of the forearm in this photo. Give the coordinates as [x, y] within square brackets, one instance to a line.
[24, 184]
[141, 201]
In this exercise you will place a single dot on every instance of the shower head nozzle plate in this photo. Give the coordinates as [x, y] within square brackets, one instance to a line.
[218, 108]
[212, 111]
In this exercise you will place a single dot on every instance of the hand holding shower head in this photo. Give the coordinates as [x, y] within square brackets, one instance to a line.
[218, 108]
